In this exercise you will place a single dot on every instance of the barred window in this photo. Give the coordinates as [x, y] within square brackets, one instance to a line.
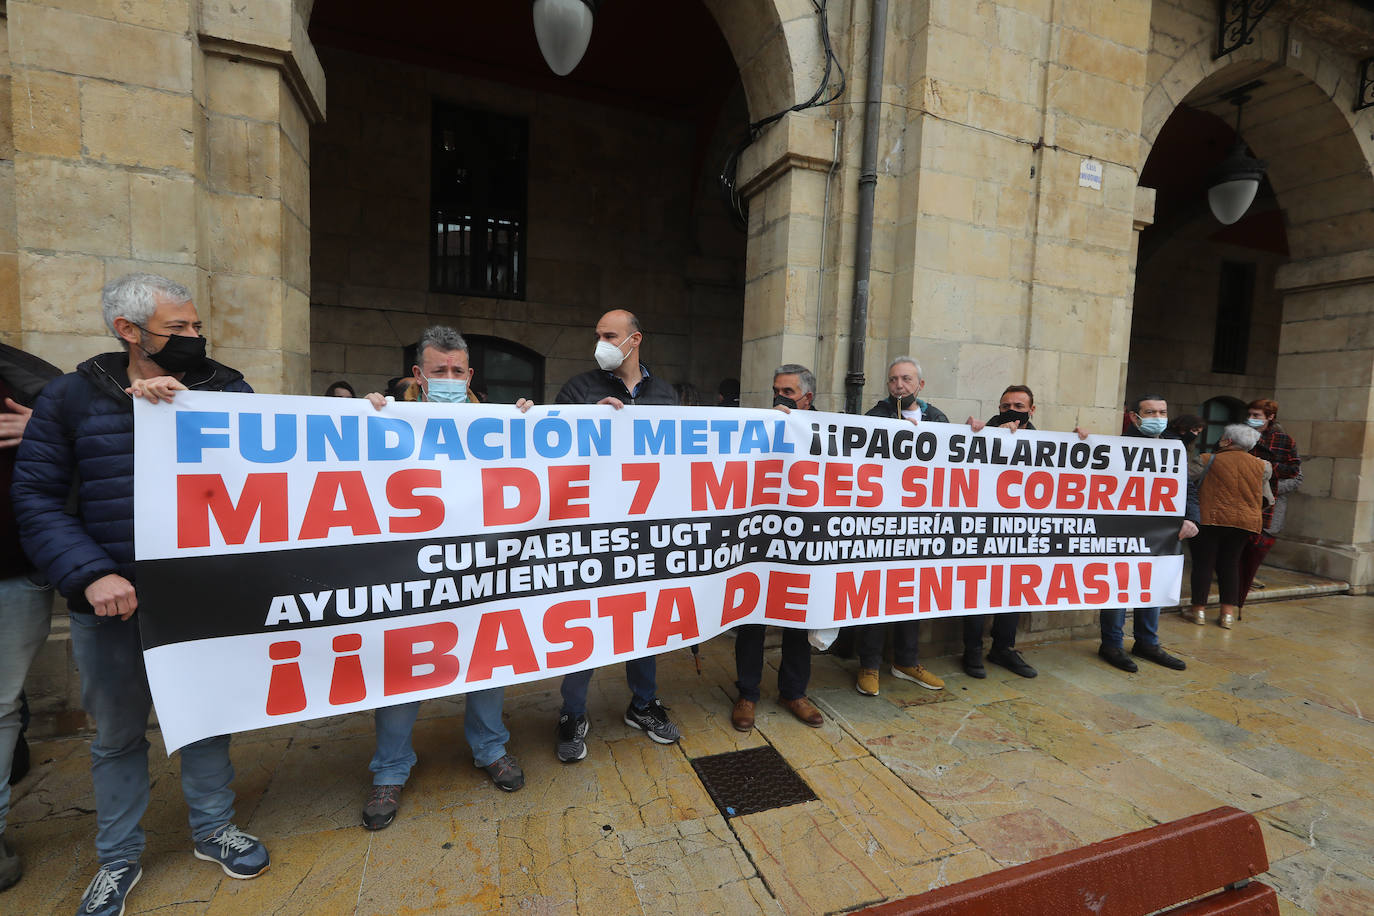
[479, 166]
[1231, 338]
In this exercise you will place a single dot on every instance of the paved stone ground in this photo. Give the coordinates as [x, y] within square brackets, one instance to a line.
[915, 789]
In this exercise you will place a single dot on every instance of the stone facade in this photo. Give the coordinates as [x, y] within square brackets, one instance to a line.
[191, 137]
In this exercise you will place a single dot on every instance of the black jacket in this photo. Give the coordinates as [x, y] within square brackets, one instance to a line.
[593, 385]
[887, 408]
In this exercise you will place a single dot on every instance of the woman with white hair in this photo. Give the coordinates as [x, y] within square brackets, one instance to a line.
[1232, 491]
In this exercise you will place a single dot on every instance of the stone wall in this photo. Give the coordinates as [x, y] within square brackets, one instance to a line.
[620, 215]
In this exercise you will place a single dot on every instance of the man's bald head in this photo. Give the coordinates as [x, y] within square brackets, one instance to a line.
[617, 326]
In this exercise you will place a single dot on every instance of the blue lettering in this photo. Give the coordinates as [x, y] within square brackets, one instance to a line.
[192, 438]
[724, 430]
[517, 438]
[283, 438]
[478, 430]
[441, 438]
[655, 440]
[754, 439]
[552, 437]
[321, 431]
[593, 437]
[379, 433]
[780, 443]
[693, 437]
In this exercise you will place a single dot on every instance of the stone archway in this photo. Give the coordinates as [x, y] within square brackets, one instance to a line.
[1319, 153]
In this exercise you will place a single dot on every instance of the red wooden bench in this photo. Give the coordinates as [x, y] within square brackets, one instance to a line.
[1138, 873]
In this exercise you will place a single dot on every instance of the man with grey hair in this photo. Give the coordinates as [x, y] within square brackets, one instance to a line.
[443, 371]
[1149, 418]
[79, 442]
[794, 387]
[904, 383]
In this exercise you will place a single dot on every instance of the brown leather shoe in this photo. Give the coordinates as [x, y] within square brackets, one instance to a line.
[742, 716]
[803, 709]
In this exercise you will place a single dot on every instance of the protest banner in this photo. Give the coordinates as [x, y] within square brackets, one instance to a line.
[337, 558]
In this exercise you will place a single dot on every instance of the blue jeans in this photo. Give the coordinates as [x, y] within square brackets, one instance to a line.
[1146, 626]
[482, 725]
[641, 674]
[25, 616]
[114, 690]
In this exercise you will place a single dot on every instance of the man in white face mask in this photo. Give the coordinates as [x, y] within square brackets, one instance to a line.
[621, 379]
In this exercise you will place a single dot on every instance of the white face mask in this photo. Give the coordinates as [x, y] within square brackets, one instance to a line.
[608, 355]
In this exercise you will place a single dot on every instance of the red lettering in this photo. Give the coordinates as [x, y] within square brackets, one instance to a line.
[839, 475]
[963, 487]
[854, 600]
[913, 487]
[566, 500]
[801, 481]
[400, 493]
[1100, 489]
[712, 492]
[1005, 481]
[666, 623]
[357, 515]
[870, 486]
[622, 609]
[937, 586]
[1024, 580]
[971, 577]
[646, 475]
[741, 597]
[346, 685]
[901, 590]
[1099, 589]
[1071, 489]
[1162, 495]
[784, 589]
[201, 495]
[405, 670]
[1063, 587]
[495, 483]
[767, 483]
[285, 690]
[1132, 494]
[1039, 490]
[487, 654]
[580, 640]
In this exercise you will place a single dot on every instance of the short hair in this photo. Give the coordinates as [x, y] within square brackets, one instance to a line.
[134, 297]
[1020, 389]
[634, 322]
[341, 384]
[1186, 422]
[1270, 408]
[439, 337]
[808, 381]
[1242, 435]
[729, 387]
[906, 359]
[1135, 405]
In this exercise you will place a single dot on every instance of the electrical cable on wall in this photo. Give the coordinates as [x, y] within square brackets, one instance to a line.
[729, 170]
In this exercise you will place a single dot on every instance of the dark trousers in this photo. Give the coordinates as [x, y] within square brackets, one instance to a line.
[905, 636]
[1003, 631]
[794, 671]
[1256, 549]
[1217, 547]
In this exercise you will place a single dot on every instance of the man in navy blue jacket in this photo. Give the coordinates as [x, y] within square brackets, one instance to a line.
[73, 497]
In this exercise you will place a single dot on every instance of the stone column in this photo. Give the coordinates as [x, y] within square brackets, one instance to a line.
[1325, 390]
[782, 176]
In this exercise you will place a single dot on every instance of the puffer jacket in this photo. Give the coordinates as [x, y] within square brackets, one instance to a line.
[887, 409]
[1232, 490]
[595, 384]
[78, 454]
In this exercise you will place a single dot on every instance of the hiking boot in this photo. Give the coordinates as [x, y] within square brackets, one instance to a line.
[653, 719]
[973, 663]
[572, 738]
[506, 773]
[917, 674]
[1116, 656]
[241, 855]
[1010, 659]
[742, 716]
[105, 894]
[382, 804]
[804, 710]
[11, 869]
[867, 682]
[1157, 655]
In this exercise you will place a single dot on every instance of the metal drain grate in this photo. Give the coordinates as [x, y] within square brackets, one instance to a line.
[750, 781]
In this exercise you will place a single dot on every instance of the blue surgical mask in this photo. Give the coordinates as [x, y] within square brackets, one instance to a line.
[1153, 426]
[1257, 423]
[447, 390]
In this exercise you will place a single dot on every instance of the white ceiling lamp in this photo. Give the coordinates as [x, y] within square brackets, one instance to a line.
[563, 29]
[1232, 186]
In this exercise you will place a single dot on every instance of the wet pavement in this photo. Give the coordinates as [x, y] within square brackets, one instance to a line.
[914, 789]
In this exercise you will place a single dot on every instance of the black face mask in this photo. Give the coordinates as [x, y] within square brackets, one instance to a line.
[1007, 416]
[1187, 438]
[784, 401]
[178, 354]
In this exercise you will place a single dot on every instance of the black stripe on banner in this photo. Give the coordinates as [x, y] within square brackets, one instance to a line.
[190, 598]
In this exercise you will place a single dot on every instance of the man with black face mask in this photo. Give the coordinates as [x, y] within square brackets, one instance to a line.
[79, 442]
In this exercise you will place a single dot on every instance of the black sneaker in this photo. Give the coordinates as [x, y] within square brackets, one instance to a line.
[653, 719]
[1115, 655]
[1010, 659]
[973, 663]
[572, 738]
[506, 773]
[382, 804]
[1157, 655]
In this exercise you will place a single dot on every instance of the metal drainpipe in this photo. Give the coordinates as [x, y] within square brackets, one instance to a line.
[868, 181]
